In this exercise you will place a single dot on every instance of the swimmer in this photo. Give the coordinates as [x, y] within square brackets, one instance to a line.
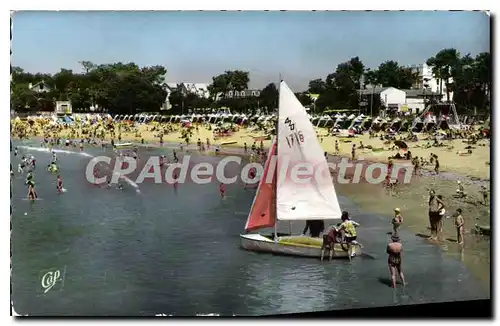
[120, 186]
[20, 169]
[15, 151]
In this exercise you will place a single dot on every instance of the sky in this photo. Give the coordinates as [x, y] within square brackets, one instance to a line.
[195, 46]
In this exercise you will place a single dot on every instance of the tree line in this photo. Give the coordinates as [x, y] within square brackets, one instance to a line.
[129, 89]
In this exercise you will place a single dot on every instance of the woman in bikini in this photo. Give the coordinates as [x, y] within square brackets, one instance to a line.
[395, 250]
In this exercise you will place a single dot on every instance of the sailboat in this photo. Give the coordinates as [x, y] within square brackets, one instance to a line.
[278, 198]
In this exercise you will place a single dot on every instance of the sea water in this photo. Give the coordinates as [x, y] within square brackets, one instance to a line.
[177, 252]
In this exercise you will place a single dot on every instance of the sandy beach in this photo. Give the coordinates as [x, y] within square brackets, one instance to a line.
[474, 166]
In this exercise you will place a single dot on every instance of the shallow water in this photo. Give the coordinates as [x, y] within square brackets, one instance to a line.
[177, 252]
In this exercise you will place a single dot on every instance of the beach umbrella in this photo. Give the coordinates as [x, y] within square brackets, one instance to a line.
[401, 144]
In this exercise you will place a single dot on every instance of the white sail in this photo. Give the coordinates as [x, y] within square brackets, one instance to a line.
[297, 143]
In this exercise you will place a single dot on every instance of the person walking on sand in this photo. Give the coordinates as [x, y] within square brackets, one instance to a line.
[353, 152]
[395, 260]
[337, 150]
[459, 224]
[397, 220]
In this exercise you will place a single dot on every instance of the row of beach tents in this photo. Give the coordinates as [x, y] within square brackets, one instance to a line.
[337, 121]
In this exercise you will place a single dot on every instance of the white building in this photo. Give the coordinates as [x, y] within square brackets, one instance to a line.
[390, 97]
[415, 99]
[427, 78]
[200, 89]
[63, 107]
[407, 100]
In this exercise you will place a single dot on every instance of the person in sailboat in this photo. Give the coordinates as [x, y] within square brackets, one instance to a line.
[315, 228]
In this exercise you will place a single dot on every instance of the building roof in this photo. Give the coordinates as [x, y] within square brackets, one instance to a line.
[374, 90]
[201, 86]
[39, 83]
[172, 85]
[419, 93]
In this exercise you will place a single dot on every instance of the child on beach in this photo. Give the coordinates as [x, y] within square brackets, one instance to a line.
[397, 220]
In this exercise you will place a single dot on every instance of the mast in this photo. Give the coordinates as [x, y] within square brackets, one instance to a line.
[277, 149]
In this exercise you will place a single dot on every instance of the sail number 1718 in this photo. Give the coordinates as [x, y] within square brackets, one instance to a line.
[295, 137]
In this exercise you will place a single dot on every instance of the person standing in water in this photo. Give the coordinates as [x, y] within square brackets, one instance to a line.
[459, 224]
[434, 217]
[176, 180]
[397, 220]
[59, 186]
[395, 251]
[441, 212]
[31, 187]
[251, 175]
[436, 166]
[222, 190]
[350, 234]
[315, 228]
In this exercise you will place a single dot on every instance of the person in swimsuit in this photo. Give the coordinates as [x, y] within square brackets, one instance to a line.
[59, 186]
[222, 190]
[315, 228]
[459, 224]
[395, 250]
[251, 175]
[435, 205]
[31, 189]
[349, 227]
[397, 220]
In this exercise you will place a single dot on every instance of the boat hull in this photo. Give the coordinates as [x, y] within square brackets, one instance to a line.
[286, 246]
[123, 145]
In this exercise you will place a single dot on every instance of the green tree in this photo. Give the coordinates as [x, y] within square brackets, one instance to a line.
[317, 86]
[304, 99]
[391, 74]
[442, 65]
[269, 97]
